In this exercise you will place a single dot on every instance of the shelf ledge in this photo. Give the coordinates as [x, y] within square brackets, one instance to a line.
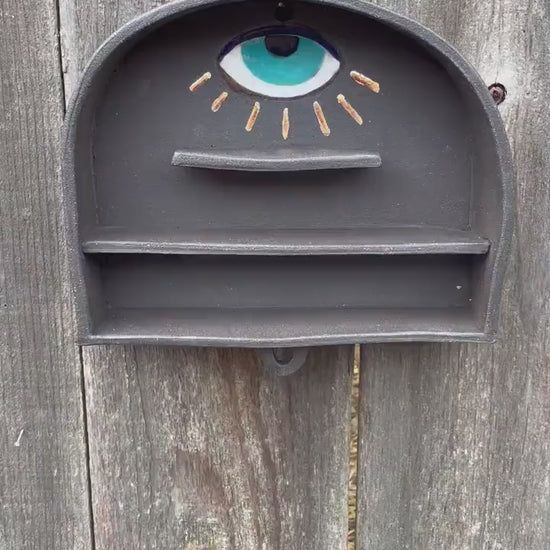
[338, 242]
[283, 160]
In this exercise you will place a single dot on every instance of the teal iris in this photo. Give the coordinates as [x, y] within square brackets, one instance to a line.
[295, 69]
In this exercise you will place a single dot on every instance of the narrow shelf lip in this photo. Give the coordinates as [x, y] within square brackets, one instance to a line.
[338, 242]
[278, 160]
[354, 338]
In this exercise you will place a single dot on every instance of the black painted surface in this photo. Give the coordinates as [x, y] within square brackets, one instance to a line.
[417, 123]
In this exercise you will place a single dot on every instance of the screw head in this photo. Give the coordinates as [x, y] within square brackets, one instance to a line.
[498, 91]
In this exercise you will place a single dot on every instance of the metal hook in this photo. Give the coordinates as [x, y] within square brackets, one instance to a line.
[284, 361]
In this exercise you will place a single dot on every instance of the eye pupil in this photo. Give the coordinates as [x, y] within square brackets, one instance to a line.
[281, 45]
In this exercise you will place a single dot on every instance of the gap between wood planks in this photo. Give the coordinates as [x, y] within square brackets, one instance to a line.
[353, 439]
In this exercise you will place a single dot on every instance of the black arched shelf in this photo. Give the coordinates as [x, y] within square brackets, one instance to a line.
[200, 213]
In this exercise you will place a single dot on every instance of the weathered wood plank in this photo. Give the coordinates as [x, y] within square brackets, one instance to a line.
[202, 449]
[199, 449]
[85, 25]
[43, 476]
[455, 439]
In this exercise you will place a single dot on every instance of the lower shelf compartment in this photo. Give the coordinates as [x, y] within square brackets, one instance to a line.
[244, 282]
[265, 301]
[286, 327]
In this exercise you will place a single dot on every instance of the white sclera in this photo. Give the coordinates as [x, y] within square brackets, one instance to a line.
[233, 64]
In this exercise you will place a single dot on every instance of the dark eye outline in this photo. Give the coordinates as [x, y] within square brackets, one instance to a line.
[299, 31]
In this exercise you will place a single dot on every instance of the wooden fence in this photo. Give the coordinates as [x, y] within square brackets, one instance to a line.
[143, 448]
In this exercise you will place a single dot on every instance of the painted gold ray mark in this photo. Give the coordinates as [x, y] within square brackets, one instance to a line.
[321, 118]
[218, 102]
[352, 112]
[363, 80]
[253, 117]
[200, 81]
[286, 123]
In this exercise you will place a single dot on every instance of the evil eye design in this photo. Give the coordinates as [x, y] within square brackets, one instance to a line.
[280, 62]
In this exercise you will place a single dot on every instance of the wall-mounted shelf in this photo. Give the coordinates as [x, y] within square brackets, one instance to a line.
[200, 213]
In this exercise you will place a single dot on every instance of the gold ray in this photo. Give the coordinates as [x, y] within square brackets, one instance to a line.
[286, 123]
[218, 102]
[321, 118]
[253, 116]
[363, 80]
[352, 112]
[200, 81]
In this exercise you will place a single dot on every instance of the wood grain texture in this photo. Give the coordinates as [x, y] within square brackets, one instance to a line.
[201, 449]
[85, 25]
[43, 476]
[455, 439]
